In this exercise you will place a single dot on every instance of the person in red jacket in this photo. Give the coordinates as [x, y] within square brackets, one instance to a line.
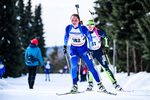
[85, 70]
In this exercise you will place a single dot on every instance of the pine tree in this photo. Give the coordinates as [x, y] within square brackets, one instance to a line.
[109, 18]
[143, 24]
[103, 9]
[38, 30]
[10, 48]
[57, 60]
[27, 34]
[22, 27]
[122, 27]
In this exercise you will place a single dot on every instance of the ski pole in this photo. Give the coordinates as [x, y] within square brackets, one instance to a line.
[77, 6]
[79, 68]
[107, 58]
[109, 64]
[67, 62]
[92, 13]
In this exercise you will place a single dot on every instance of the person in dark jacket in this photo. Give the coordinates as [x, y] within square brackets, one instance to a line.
[32, 57]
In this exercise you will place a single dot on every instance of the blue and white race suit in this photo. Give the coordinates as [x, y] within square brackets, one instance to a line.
[79, 37]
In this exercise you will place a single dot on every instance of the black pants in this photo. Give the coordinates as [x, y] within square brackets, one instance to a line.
[32, 73]
[98, 54]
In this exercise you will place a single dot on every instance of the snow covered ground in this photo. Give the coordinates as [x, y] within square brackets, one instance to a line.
[17, 88]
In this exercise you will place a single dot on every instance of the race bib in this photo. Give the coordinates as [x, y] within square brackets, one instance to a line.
[96, 44]
[76, 37]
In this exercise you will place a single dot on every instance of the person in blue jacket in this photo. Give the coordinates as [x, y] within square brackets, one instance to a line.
[32, 57]
[99, 55]
[78, 35]
[2, 69]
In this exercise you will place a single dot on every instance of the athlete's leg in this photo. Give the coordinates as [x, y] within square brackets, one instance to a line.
[74, 62]
[87, 59]
[45, 75]
[102, 60]
[90, 77]
[49, 74]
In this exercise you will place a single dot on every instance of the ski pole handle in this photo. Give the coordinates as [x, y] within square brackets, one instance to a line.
[92, 13]
[77, 5]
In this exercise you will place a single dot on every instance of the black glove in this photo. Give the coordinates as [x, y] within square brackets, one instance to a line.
[105, 50]
[90, 52]
[65, 49]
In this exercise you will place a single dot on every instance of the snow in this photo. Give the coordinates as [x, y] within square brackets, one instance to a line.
[17, 88]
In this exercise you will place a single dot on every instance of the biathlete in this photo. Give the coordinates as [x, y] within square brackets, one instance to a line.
[98, 54]
[77, 35]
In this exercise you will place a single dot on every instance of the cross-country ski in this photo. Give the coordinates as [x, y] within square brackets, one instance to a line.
[66, 93]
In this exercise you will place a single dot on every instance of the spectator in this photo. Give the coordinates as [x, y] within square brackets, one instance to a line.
[85, 70]
[65, 69]
[2, 69]
[48, 66]
[32, 57]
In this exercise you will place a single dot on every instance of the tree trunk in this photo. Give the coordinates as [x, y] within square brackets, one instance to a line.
[135, 60]
[128, 67]
[141, 64]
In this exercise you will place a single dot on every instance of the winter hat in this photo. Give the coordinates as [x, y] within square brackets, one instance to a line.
[34, 41]
[90, 22]
[0, 62]
[48, 62]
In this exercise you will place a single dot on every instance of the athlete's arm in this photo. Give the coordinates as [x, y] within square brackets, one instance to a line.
[88, 35]
[66, 37]
[103, 35]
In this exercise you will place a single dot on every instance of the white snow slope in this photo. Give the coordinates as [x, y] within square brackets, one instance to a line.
[17, 88]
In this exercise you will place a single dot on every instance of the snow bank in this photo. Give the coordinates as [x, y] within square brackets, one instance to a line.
[3, 84]
[17, 88]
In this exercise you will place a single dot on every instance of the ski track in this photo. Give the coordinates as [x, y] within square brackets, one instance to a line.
[17, 88]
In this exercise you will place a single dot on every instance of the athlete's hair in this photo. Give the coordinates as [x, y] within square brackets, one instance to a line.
[76, 16]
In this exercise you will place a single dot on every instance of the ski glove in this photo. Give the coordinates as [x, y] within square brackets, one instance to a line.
[106, 50]
[65, 49]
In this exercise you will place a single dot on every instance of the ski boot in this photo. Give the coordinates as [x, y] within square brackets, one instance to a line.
[90, 86]
[74, 88]
[101, 87]
[117, 86]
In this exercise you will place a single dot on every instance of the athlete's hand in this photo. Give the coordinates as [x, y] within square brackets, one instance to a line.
[106, 50]
[65, 49]
[90, 52]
